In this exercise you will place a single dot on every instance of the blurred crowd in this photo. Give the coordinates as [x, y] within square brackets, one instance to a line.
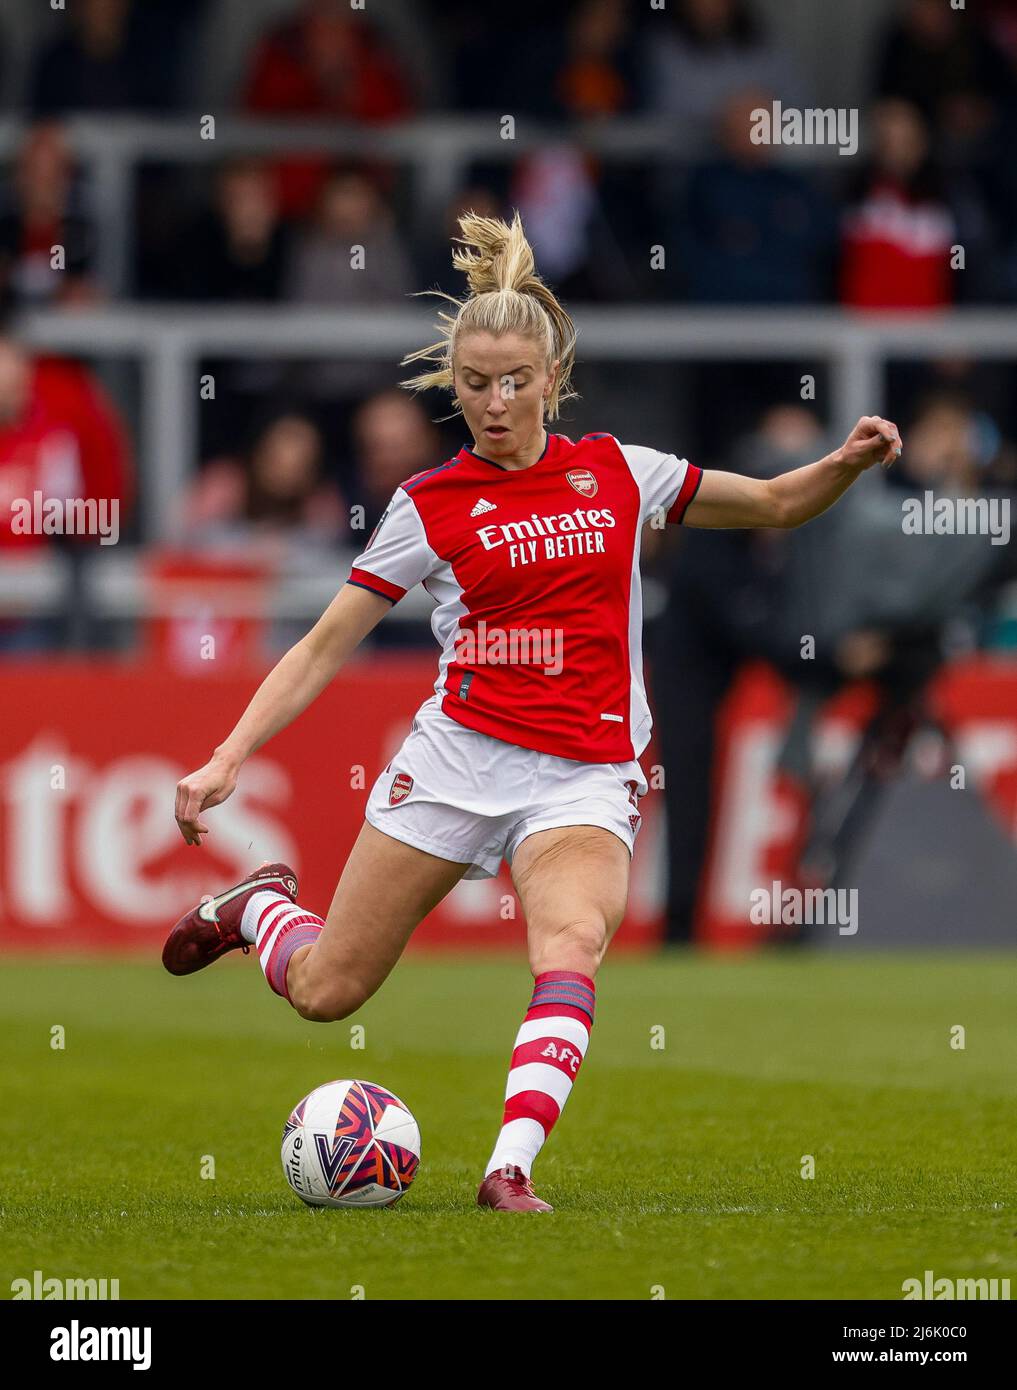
[875, 230]
[878, 606]
[298, 459]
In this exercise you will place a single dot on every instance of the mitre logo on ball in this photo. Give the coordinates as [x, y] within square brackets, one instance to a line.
[583, 481]
[402, 785]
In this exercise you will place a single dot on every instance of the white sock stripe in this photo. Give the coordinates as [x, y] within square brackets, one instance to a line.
[539, 1076]
[568, 1028]
[271, 912]
[299, 919]
[270, 915]
[265, 952]
[255, 908]
[269, 935]
[265, 899]
[269, 928]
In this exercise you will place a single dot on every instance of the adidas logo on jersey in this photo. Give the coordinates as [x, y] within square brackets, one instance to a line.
[482, 505]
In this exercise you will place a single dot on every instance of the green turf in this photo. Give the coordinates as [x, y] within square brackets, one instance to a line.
[675, 1169]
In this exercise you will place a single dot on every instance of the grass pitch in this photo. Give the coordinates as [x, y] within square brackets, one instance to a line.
[675, 1170]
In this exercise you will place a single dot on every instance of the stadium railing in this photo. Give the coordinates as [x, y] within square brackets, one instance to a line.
[437, 150]
[168, 343]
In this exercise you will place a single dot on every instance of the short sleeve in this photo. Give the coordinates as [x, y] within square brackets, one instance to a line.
[666, 483]
[398, 554]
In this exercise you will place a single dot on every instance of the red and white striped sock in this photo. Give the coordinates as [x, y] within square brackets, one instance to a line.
[549, 1050]
[278, 927]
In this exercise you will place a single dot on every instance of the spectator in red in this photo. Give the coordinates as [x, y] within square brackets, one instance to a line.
[59, 435]
[44, 212]
[60, 438]
[900, 226]
[327, 61]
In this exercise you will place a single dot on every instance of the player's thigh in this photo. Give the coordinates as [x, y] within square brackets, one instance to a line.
[572, 883]
[386, 889]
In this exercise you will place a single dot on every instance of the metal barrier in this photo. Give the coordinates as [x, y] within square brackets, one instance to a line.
[437, 150]
[169, 343]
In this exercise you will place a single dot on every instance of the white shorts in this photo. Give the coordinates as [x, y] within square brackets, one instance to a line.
[465, 796]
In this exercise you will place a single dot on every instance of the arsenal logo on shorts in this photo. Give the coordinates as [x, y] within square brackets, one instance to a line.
[583, 481]
[402, 785]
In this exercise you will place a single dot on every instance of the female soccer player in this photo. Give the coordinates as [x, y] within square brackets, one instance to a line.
[527, 750]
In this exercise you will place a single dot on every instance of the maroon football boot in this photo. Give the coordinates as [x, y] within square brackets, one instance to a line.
[509, 1189]
[212, 928]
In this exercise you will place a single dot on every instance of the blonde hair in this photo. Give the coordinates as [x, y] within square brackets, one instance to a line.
[506, 296]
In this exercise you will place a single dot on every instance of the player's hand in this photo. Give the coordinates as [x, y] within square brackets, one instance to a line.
[873, 440]
[207, 787]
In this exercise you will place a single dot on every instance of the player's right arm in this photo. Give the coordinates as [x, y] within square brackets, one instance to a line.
[292, 684]
[397, 556]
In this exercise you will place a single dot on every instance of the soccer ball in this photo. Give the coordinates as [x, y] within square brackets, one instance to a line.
[350, 1144]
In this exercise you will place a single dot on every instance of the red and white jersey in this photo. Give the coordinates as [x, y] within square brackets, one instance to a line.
[535, 573]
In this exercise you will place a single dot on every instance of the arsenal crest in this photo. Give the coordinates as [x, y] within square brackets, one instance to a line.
[402, 785]
[583, 481]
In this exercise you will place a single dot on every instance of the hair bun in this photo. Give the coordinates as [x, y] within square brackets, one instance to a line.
[506, 295]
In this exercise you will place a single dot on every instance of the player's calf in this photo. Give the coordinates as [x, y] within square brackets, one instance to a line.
[578, 945]
[323, 1001]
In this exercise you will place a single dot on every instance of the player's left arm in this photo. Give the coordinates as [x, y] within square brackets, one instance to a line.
[731, 500]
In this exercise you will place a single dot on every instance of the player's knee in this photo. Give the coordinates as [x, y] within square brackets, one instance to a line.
[577, 944]
[327, 1001]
